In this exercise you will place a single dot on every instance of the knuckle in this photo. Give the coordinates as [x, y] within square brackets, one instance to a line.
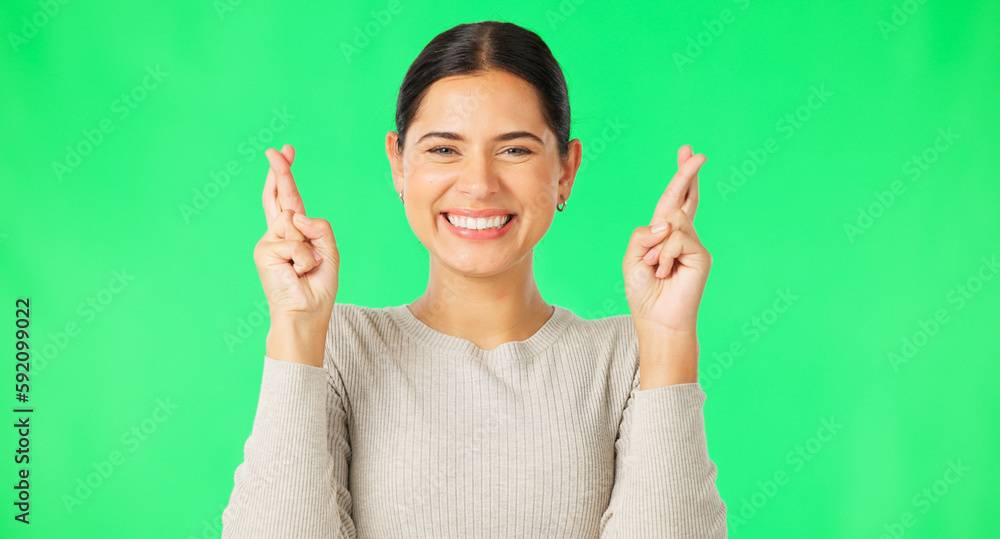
[282, 220]
[319, 222]
[258, 250]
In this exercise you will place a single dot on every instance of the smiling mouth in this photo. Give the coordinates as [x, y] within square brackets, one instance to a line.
[474, 224]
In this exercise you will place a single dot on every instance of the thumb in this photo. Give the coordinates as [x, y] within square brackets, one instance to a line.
[643, 239]
[318, 232]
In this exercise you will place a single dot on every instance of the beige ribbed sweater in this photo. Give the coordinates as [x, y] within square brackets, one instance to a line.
[409, 432]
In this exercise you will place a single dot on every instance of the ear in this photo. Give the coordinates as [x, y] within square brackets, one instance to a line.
[569, 168]
[395, 160]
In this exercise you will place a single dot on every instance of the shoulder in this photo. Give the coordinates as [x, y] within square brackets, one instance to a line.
[351, 317]
[619, 329]
[356, 332]
[610, 339]
[608, 348]
[363, 326]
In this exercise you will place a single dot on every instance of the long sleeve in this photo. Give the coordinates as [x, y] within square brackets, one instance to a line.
[293, 481]
[664, 480]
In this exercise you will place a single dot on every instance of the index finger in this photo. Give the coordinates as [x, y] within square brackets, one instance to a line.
[690, 206]
[282, 193]
[270, 195]
[677, 189]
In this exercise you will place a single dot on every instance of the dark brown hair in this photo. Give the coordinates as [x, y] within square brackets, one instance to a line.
[477, 47]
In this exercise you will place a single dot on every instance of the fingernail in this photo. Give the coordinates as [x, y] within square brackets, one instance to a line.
[316, 256]
[655, 229]
[301, 219]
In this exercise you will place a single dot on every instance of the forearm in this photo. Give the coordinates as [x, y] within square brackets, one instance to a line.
[297, 340]
[664, 478]
[283, 487]
[667, 358]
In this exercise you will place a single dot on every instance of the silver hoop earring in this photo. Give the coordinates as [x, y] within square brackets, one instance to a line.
[401, 197]
[563, 204]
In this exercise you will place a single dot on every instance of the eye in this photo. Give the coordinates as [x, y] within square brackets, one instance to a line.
[523, 151]
[435, 150]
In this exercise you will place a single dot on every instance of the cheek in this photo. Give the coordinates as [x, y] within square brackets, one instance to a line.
[539, 195]
[429, 175]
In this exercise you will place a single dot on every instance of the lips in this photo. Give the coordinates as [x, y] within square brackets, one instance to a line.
[484, 216]
[485, 213]
[504, 217]
[446, 216]
[484, 234]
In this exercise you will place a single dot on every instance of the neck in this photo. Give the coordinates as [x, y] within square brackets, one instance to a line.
[486, 310]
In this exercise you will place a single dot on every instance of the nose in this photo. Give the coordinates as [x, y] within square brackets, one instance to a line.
[478, 179]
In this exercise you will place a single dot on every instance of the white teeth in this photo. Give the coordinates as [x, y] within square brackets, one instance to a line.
[478, 223]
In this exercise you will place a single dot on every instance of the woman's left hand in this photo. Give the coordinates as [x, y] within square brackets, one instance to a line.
[665, 271]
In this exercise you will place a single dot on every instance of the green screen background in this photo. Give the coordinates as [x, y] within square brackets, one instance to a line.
[881, 116]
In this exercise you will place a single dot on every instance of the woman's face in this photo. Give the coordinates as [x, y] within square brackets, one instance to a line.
[479, 146]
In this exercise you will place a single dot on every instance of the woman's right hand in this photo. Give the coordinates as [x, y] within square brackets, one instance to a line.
[298, 262]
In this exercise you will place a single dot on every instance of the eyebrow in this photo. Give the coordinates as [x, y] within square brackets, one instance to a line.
[499, 138]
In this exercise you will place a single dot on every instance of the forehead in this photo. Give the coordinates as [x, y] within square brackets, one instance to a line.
[495, 98]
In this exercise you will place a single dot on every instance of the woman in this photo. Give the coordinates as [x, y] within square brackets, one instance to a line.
[479, 409]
